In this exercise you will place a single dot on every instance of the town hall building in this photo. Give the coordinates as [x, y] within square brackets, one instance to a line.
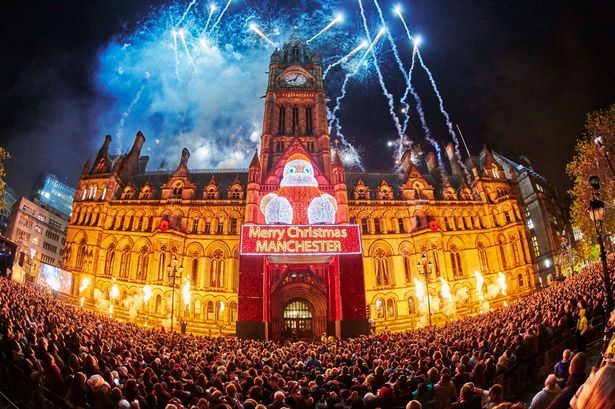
[297, 245]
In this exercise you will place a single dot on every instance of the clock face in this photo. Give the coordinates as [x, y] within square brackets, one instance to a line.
[295, 79]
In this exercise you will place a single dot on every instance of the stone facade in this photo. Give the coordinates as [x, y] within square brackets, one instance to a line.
[128, 223]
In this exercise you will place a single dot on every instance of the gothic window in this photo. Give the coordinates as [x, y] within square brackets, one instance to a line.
[400, 223]
[210, 311]
[407, 266]
[177, 191]
[448, 223]
[142, 263]
[194, 273]
[208, 226]
[456, 261]
[501, 243]
[365, 226]
[390, 308]
[515, 249]
[125, 262]
[418, 221]
[282, 121]
[150, 223]
[436, 265]
[195, 225]
[158, 304]
[84, 193]
[295, 120]
[162, 264]
[220, 308]
[507, 217]
[236, 193]
[211, 192]
[233, 225]
[378, 225]
[411, 306]
[380, 313]
[109, 260]
[81, 252]
[482, 257]
[220, 229]
[233, 316]
[140, 223]
[520, 280]
[381, 267]
[308, 120]
[217, 269]
[496, 172]
[361, 194]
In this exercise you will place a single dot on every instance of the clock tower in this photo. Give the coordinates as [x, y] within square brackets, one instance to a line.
[295, 106]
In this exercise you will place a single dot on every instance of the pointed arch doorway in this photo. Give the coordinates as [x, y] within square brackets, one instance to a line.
[298, 319]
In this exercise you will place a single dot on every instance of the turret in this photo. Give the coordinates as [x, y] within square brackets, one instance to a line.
[102, 163]
[252, 190]
[130, 162]
[454, 160]
[339, 189]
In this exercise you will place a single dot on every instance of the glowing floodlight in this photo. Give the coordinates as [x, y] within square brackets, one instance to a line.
[418, 40]
[339, 17]
[212, 7]
[397, 10]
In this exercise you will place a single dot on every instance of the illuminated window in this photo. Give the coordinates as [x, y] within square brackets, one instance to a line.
[125, 262]
[520, 280]
[390, 308]
[381, 267]
[456, 261]
[142, 263]
[380, 308]
[535, 246]
[109, 259]
[411, 306]
[217, 269]
[194, 274]
[482, 257]
[364, 226]
[501, 243]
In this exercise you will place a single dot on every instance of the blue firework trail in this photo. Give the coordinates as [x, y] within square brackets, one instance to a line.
[417, 99]
[400, 65]
[385, 91]
[180, 97]
[212, 9]
[192, 3]
[345, 58]
[447, 118]
[228, 3]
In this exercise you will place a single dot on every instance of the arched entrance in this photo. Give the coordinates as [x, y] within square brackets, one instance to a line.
[298, 319]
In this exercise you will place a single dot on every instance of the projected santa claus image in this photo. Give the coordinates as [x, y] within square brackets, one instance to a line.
[299, 200]
[301, 270]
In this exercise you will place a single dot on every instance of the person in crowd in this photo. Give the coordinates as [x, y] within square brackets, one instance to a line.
[582, 327]
[575, 379]
[561, 368]
[598, 391]
[94, 361]
[544, 398]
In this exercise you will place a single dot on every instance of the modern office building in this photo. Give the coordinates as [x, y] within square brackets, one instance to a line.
[40, 234]
[50, 190]
[8, 200]
[547, 225]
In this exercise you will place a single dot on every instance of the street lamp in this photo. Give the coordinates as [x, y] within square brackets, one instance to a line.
[424, 267]
[596, 214]
[174, 272]
[599, 142]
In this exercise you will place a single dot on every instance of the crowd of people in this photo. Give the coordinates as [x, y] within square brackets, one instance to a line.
[84, 360]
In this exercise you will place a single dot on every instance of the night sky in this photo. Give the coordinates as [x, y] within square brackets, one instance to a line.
[519, 76]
